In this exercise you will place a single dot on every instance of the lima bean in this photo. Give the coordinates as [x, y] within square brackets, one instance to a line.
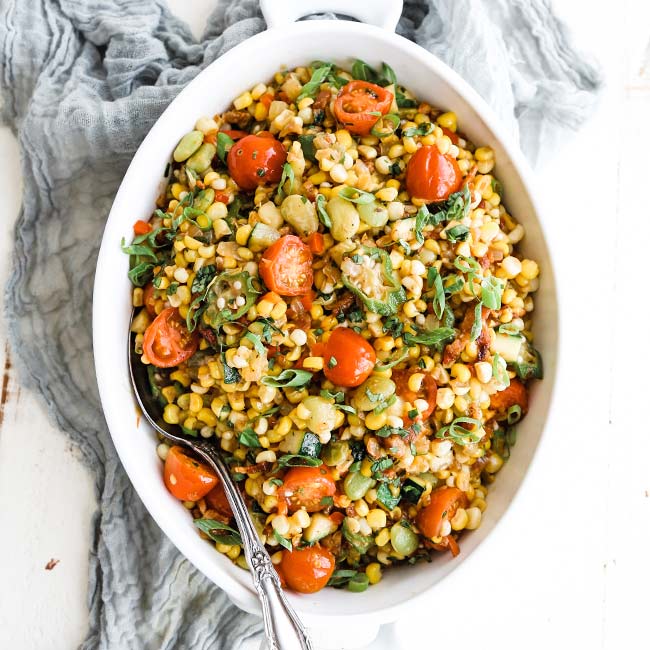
[202, 158]
[345, 218]
[403, 539]
[300, 213]
[374, 214]
[375, 390]
[356, 485]
[189, 143]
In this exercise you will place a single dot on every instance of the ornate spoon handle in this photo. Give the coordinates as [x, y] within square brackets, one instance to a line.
[283, 629]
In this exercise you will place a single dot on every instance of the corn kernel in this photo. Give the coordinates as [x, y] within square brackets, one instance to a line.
[375, 421]
[171, 414]
[461, 372]
[313, 363]
[373, 571]
[448, 121]
[243, 232]
[243, 101]
[383, 538]
[376, 518]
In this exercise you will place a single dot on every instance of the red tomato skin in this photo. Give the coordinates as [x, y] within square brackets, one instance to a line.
[217, 500]
[429, 388]
[307, 570]
[444, 501]
[304, 487]
[286, 267]
[149, 300]
[161, 335]
[316, 243]
[142, 227]
[254, 155]
[516, 393]
[185, 478]
[431, 175]
[354, 358]
[355, 103]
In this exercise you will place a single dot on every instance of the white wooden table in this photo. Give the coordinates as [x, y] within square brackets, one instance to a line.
[569, 567]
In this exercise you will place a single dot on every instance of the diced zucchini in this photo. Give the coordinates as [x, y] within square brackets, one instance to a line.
[335, 452]
[304, 443]
[261, 237]
[529, 363]
[320, 526]
[508, 347]
[412, 490]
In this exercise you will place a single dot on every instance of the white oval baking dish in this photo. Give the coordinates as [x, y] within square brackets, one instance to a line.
[289, 44]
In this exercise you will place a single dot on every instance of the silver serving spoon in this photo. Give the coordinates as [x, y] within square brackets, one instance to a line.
[284, 631]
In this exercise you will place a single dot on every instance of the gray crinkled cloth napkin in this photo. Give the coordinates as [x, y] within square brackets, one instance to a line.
[82, 83]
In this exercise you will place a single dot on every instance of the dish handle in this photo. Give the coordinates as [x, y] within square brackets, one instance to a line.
[382, 13]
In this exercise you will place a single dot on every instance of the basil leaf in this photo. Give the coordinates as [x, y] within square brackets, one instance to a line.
[318, 76]
[422, 129]
[230, 375]
[141, 273]
[434, 338]
[298, 460]
[256, 341]
[287, 175]
[224, 143]
[203, 278]
[307, 145]
[288, 378]
[499, 371]
[354, 195]
[211, 527]
[249, 438]
[385, 496]
[322, 212]
[282, 541]
[394, 362]
[379, 130]
[457, 233]
[435, 281]
[388, 74]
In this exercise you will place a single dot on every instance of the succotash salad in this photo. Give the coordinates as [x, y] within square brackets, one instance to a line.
[330, 287]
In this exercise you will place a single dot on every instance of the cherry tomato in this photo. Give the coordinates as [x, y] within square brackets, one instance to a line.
[307, 570]
[149, 300]
[316, 243]
[443, 505]
[516, 393]
[217, 500]
[448, 543]
[349, 358]
[142, 227]
[357, 104]
[187, 479]
[450, 134]
[305, 487]
[167, 341]
[256, 160]
[308, 299]
[431, 175]
[286, 268]
[428, 391]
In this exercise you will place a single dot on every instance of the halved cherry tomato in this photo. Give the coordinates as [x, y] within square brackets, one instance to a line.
[148, 299]
[316, 243]
[357, 104]
[428, 391]
[516, 393]
[286, 268]
[187, 479]
[217, 500]
[307, 570]
[431, 175]
[448, 543]
[308, 299]
[443, 505]
[142, 227]
[256, 160]
[305, 487]
[167, 341]
[349, 359]
[450, 134]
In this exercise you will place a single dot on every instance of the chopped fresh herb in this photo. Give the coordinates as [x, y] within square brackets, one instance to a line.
[391, 364]
[322, 212]
[422, 129]
[203, 277]
[382, 406]
[385, 496]
[499, 371]
[283, 541]
[395, 169]
[393, 326]
[354, 195]
[172, 288]
[298, 460]
[276, 481]
[318, 76]
[386, 125]
[332, 363]
[249, 438]
[224, 142]
[509, 329]
[436, 338]
[373, 397]
[338, 397]
[287, 175]
[256, 340]
[380, 465]
[461, 435]
[403, 101]
[405, 246]
[307, 145]
[288, 378]
[434, 280]
[478, 322]
[457, 233]
[413, 413]
[230, 375]
[361, 70]
[491, 292]
[346, 408]
[327, 501]
[387, 431]
[211, 528]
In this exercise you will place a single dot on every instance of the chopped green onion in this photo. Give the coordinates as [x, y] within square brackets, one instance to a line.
[383, 130]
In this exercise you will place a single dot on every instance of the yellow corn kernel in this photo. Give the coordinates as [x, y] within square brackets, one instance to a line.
[318, 178]
[279, 310]
[261, 112]
[387, 194]
[171, 414]
[484, 154]
[461, 372]
[384, 343]
[376, 519]
[410, 310]
[459, 520]
[229, 262]
[181, 377]
[283, 426]
[383, 538]
[313, 363]
[207, 417]
[236, 401]
[415, 381]
[410, 145]
[258, 90]
[366, 468]
[169, 393]
[243, 101]
[316, 312]
[529, 269]
[177, 188]
[374, 422]
[373, 571]
[448, 120]
[344, 138]
[136, 300]
[196, 403]
[243, 232]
